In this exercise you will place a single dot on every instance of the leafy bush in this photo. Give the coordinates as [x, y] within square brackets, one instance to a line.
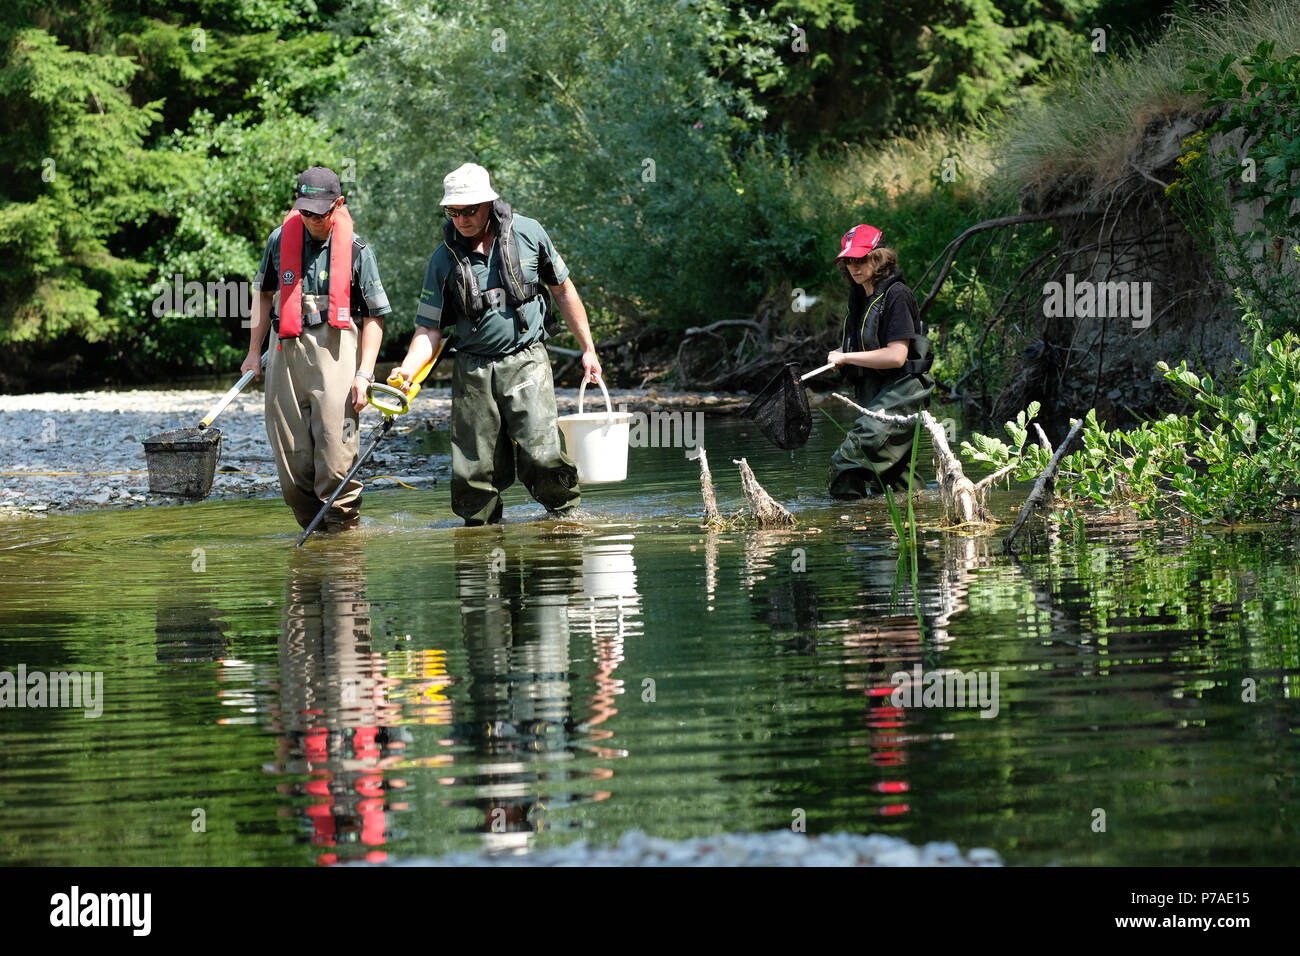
[1264, 167]
[607, 121]
[1232, 459]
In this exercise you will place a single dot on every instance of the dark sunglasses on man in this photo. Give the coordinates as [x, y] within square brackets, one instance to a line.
[306, 214]
[465, 211]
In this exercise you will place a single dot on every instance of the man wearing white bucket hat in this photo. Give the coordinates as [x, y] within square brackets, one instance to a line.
[489, 279]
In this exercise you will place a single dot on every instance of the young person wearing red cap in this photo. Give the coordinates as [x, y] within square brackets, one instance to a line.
[487, 281]
[322, 283]
[885, 354]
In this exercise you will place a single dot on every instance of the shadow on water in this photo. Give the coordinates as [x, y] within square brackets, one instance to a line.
[418, 688]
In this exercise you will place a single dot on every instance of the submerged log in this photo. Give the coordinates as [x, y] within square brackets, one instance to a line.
[769, 512]
[1044, 487]
[962, 504]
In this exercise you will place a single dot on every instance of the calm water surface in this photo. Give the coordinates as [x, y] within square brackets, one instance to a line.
[419, 688]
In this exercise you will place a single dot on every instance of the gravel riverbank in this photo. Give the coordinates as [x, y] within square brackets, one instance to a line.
[83, 451]
[778, 848]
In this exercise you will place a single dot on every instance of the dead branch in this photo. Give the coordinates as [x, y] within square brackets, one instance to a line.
[768, 511]
[995, 477]
[1042, 437]
[730, 324]
[1044, 487]
[955, 246]
[961, 503]
[711, 516]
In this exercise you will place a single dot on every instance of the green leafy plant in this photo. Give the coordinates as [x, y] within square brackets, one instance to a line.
[1230, 460]
[1263, 168]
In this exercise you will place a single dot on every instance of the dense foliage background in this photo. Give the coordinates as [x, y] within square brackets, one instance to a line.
[690, 158]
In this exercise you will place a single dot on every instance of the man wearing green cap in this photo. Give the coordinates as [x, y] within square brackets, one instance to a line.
[320, 283]
[489, 279]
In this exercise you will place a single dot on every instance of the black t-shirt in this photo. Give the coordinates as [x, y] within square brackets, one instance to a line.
[891, 314]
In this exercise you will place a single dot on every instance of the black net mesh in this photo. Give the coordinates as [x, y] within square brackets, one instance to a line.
[781, 410]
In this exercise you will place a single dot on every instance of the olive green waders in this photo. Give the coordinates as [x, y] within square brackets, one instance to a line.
[874, 447]
[311, 424]
[502, 421]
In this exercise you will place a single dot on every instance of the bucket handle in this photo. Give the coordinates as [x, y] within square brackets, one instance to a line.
[609, 409]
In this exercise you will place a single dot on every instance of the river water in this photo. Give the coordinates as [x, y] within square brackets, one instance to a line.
[418, 688]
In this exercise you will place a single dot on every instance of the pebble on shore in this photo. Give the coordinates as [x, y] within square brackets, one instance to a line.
[84, 451]
[94, 441]
[777, 848]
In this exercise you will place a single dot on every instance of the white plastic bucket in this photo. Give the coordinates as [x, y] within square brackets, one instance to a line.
[597, 441]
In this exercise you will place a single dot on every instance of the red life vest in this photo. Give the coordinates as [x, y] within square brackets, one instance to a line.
[291, 277]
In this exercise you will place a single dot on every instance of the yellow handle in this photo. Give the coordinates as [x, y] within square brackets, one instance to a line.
[395, 380]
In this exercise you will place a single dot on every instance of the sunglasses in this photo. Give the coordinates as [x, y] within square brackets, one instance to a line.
[316, 215]
[465, 211]
[857, 262]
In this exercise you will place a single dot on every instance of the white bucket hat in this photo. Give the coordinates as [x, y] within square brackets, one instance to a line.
[467, 185]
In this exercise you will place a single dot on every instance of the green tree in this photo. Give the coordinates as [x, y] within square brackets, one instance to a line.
[144, 139]
[864, 70]
[612, 122]
[79, 181]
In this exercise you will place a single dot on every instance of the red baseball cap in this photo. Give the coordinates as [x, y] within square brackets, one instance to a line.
[858, 241]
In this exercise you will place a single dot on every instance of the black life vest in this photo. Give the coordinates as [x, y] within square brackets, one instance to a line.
[862, 330]
[473, 302]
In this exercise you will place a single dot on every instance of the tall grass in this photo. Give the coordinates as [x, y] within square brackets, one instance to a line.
[1095, 112]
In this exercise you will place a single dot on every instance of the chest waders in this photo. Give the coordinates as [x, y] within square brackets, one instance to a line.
[503, 415]
[876, 452]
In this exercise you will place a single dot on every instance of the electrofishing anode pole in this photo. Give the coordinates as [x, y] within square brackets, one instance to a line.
[392, 401]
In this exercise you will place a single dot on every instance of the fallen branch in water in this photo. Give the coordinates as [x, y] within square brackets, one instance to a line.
[769, 512]
[962, 504]
[1044, 487]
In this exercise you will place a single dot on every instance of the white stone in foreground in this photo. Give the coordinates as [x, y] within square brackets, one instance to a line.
[778, 848]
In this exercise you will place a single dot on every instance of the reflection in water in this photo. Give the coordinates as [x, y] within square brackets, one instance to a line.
[189, 631]
[872, 636]
[963, 556]
[609, 610]
[899, 646]
[521, 607]
[335, 726]
[1145, 668]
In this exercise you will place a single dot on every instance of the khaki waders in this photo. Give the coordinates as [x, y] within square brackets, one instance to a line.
[503, 421]
[311, 424]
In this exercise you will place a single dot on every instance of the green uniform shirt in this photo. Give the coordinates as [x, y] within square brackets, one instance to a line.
[366, 297]
[497, 332]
